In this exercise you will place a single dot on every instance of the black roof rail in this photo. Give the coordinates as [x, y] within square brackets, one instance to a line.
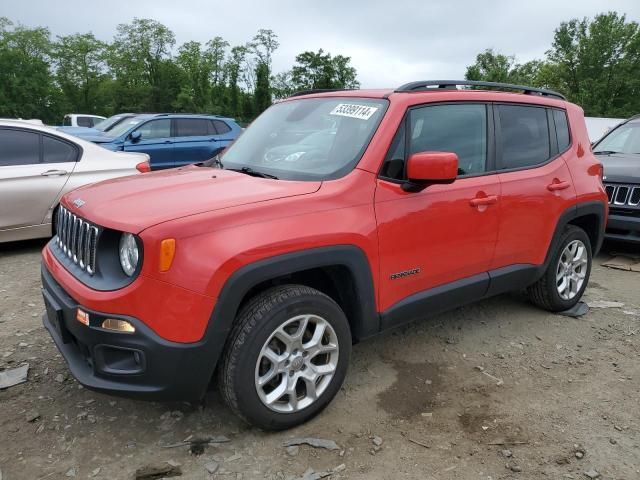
[452, 84]
[319, 90]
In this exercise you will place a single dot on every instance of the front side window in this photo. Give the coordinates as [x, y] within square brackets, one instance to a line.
[19, 147]
[56, 151]
[524, 138]
[624, 139]
[155, 129]
[307, 139]
[66, 121]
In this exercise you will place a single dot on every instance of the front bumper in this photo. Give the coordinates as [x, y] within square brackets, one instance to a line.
[624, 228]
[139, 364]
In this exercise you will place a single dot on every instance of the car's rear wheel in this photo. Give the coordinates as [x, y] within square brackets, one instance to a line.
[567, 274]
[286, 357]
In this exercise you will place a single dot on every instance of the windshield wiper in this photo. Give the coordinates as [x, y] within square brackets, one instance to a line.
[604, 152]
[253, 173]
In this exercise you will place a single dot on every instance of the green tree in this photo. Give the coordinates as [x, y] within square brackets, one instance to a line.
[596, 63]
[496, 67]
[318, 70]
[137, 59]
[262, 93]
[282, 85]
[233, 70]
[27, 87]
[80, 71]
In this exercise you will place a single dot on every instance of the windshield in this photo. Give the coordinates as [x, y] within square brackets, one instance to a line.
[624, 139]
[108, 123]
[122, 127]
[307, 139]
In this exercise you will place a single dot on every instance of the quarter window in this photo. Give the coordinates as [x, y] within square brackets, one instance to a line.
[19, 147]
[562, 130]
[155, 129]
[221, 127]
[524, 138]
[56, 151]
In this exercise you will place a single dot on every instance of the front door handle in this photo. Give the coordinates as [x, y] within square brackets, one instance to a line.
[557, 185]
[481, 201]
[54, 173]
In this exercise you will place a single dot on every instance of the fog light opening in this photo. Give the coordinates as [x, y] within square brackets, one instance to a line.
[118, 325]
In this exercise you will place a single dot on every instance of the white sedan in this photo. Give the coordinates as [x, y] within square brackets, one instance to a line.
[39, 164]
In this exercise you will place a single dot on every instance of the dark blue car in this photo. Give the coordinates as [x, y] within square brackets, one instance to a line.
[171, 139]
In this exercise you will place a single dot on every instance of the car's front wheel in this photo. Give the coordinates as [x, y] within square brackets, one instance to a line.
[286, 357]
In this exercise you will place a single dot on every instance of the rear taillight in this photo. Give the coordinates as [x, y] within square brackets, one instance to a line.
[143, 167]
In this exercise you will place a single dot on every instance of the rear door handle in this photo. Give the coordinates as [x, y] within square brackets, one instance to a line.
[54, 173]
[480, 201]
[558, 185]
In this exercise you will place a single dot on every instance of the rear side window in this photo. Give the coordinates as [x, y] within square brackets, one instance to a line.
[524, 138]
[57, 151]
[221, 127]
[85, 121]
[562, 130]
[19, 147]
[461, 129]
[193, 127]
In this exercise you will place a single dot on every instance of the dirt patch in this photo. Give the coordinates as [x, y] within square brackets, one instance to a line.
[415, 391]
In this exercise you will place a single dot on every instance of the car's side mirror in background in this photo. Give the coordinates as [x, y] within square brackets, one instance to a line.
[135, 136]
[429, 168]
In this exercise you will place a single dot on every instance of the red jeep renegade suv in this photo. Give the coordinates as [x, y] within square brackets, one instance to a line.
[335, 215]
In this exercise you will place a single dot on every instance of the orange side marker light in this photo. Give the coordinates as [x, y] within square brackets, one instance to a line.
[167, 251]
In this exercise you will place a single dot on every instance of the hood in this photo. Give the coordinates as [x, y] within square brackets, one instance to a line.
[621, 167]
[96, 137]
[137, 202]
[79, 131]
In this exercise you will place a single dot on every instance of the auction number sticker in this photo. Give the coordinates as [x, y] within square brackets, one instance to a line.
[363, 112]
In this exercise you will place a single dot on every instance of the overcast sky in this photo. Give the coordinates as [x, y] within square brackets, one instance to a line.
[390, 42]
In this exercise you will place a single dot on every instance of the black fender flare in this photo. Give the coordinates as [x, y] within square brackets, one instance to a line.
[576, 211]
[366, 321]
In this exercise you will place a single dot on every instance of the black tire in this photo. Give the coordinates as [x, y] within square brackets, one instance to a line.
[256, 322]
[544, 293]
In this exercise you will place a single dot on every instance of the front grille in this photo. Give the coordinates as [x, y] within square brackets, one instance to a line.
[78, 239]
[623, 195]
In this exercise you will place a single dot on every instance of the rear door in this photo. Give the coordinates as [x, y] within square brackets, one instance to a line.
[444, 233]
[156, 141]
[536, 183]
[195, 140]
[34, 168]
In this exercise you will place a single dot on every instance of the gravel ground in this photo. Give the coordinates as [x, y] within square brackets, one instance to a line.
[496, 390]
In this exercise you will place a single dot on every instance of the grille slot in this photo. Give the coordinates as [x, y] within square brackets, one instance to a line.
[623, 195]
[78, 239]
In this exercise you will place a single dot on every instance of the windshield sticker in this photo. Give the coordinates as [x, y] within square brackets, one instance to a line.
[362, 112]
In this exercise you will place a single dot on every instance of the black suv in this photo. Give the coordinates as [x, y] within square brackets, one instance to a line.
[619, 151]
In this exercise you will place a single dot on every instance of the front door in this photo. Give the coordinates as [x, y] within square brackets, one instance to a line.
[444, 233]
[156, 141]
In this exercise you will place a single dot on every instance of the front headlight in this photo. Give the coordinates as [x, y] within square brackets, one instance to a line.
[129, 254]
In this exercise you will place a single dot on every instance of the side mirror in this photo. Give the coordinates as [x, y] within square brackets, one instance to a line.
[428, 168]
[135, 136]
